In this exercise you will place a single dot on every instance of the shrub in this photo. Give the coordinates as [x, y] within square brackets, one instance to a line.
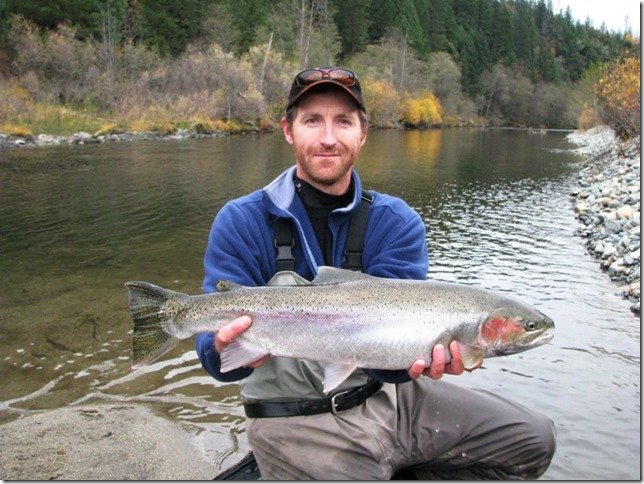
[423, 111]
[16, 130]
[381, 99]
[618, 97]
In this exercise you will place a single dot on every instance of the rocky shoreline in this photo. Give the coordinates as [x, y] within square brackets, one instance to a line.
[607, 206]
[81, 138]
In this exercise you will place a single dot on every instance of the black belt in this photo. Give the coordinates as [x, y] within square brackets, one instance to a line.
[334, 404]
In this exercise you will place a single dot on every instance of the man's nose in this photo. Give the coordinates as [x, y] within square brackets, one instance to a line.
[328, 136]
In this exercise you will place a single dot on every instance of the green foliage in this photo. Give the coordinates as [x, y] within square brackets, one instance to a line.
[170, 26]
[352, 20]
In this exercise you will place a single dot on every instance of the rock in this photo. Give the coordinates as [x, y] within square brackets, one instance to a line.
[607, 205]
[581, 207]
[625, 212]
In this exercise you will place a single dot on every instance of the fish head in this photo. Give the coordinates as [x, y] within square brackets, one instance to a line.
[508, 330]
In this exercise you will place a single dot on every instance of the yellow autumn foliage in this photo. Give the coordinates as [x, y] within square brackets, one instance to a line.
[382, 101]
[422, 111]
[618, 97]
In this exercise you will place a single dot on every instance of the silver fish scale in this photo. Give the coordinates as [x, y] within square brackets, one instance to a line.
[358, 322]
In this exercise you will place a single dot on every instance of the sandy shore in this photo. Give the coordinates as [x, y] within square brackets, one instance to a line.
[100, 442]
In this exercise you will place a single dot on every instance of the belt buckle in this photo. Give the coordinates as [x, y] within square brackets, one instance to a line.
[334, 411]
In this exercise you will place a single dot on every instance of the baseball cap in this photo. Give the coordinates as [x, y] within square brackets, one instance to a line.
[311, 78]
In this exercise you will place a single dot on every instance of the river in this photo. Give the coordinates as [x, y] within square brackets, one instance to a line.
[76, 222]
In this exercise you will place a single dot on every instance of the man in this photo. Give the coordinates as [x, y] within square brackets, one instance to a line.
[366, 429]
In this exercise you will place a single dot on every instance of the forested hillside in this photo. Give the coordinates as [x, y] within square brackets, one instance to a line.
[163, 64]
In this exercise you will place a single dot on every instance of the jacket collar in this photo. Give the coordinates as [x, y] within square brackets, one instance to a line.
[281, 193]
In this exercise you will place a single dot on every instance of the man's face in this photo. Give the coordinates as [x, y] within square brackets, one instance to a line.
[326, 135]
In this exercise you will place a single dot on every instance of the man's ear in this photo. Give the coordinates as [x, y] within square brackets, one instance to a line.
[288, 132]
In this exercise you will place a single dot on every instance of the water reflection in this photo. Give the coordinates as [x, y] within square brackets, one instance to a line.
[77, 222]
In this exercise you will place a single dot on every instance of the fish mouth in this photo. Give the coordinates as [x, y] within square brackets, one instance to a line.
[538, 339]
[543, 338]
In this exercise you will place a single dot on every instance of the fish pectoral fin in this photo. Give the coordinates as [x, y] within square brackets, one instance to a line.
[240, 353]
[471, 356]
[336, 373]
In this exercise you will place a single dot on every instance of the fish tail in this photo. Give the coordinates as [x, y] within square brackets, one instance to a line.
[150, 338]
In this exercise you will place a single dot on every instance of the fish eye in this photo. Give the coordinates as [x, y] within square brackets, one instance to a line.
[531, 325]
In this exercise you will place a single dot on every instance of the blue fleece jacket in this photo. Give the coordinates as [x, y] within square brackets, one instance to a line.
[241, 249]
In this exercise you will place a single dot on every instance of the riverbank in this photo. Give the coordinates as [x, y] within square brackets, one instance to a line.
[607, 206]
[9, 141]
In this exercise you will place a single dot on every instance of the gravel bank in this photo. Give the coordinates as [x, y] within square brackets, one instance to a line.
[82, 138]
[607, 206]
[100, 442]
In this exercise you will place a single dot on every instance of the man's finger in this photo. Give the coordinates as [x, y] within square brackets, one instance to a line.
[437, 367]
[455, 366]
[417, 368]
[228, 333]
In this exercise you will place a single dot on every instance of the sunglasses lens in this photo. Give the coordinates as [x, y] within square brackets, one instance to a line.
[309, 76]
[305, 78]
[345, 77]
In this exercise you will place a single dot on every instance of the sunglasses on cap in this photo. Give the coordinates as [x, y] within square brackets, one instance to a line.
[309, 76]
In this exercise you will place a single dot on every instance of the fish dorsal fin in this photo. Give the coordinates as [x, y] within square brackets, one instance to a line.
[287, 278]
[333, 275]
[225, 285]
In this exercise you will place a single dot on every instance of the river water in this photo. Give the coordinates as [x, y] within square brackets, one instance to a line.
[76, 222]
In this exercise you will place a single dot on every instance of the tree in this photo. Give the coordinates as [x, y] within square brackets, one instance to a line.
[49, 14]
[381, 19]
[352, 21]
[170, 26]
[445, 80]
[247, 16]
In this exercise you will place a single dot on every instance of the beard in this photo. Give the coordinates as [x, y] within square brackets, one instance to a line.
[326, 173]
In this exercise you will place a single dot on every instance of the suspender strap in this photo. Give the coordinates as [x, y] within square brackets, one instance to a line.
[357, 230]
[284, 243]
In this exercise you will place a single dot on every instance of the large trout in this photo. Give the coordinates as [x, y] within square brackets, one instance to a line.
[344, 319]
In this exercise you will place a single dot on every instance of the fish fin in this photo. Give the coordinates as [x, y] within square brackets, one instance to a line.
[287, 278]
[336, 373]
[151, 337]
[334, 275]
[240, 353]
[471, 356]
[224, 285]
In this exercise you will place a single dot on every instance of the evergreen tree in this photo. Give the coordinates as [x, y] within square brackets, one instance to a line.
[501, 41]
[409, 25]
[170, 26]
[352, 21]
[248, 16]
[382, 18]
[438, 23]
[48, 14]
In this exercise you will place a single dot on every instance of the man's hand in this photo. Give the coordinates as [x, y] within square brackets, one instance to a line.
[438, 366]
[228, 333]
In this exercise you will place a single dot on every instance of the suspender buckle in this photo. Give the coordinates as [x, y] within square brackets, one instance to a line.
[284, 251]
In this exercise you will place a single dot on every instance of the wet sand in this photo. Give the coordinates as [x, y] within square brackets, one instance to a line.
[100, 442]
